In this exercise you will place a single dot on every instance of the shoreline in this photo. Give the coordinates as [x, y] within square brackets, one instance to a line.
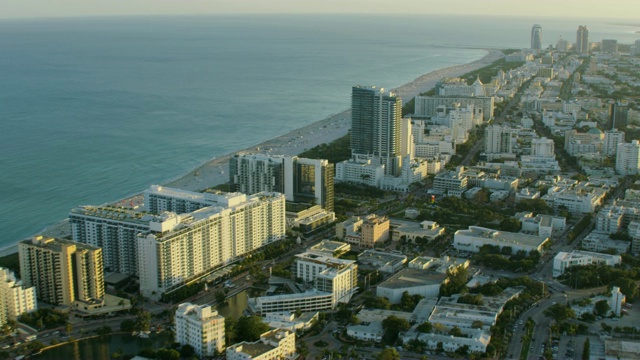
[214, 171]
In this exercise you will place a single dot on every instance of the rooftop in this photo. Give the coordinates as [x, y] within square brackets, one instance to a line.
[503, 236]
[413, 277]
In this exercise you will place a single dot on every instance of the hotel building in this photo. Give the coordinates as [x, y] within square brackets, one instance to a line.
[201, 327]
[62, 271]
[15, 298]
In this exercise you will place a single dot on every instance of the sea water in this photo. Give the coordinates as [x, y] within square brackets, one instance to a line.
[95, 109]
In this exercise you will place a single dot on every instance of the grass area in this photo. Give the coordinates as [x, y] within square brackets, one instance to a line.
[336, 151]
[526, 344]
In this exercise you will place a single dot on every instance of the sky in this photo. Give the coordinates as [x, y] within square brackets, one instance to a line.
[627, 9]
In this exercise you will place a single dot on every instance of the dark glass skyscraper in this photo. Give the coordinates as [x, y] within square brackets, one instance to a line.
[536, 37]
[375, 125]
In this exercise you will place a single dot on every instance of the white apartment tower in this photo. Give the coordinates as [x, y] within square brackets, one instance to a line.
[181, 248]
[611, 140]
[201, 327]
[497, 140]
[542, 147]
[628, 158]
[15, 299]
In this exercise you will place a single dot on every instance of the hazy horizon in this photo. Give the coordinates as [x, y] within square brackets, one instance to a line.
[594, 9]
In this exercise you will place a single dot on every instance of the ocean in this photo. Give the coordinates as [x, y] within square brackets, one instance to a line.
[96, 109]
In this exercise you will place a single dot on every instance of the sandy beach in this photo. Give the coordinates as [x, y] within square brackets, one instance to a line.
[215, 171]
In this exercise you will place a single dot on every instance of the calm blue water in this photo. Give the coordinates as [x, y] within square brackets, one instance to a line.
[95, 109]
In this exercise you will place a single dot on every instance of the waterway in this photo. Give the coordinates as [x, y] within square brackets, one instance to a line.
[102, 348]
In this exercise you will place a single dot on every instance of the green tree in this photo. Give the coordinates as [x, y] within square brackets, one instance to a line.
[510, 225]
[392, 326]
[167, 354]
[586, 351]
[560, 312]
[249, 328]
[220, 297]
[187, 351]
[425, 327]
[602, 308]
[477, 324]
[143, 320]
[388, 354]
[455, 331]
[127, 325]
[230, 325]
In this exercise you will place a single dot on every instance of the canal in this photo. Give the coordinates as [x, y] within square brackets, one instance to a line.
[103, 347]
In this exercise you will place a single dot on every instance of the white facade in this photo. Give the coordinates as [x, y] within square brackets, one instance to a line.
[15, 299]
[579, 199]
[475, 237]
[565, 260]
[611, 140]
[334, 282]
[187, 246]
[274, 344]
[601, 242]
[428, 105]
[361, 170]
[541, 225]
[542, 147]
[201, 327]
[628, 158]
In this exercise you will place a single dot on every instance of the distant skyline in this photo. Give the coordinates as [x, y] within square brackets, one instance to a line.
[612, 9]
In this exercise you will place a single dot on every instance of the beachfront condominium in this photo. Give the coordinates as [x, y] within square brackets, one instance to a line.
[184, 247]
[15, 298]
[62, 271]
[628, 158]
[166, 250]
[200, 327]
[300, 180]
[582, 40]
[428, 105]
[376, 126]
[536, 37]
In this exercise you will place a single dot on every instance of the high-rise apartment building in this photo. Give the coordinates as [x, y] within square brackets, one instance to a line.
[610, 46]
[376, 126]
[497, 141]
[628, 158]
[180, 248]
[619, 115]
[62, 271]
[542, 147]
[536, 37]
[582, 40]
[15, 298]
[562, 45]
[300, 180]
[201, 327]
[611, 140]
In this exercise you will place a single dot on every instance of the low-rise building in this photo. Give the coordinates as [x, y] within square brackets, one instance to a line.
[581, 198]
[451, 182]
[541, 225]
[334, 281]
[527, 194]
[442, 265]
[330, 248]
[415, 282]
[618, 349]
[382, 261]
[411, 230]
[289, 320]
[201, 327]
[364, 232]
[602, 242]
[475, 237]
[274, 344]
[565, 260]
